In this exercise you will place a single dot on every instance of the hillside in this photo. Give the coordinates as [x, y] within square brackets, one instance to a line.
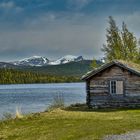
[69, 69]
[69, 72]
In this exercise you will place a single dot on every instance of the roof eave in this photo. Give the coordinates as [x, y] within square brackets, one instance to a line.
[98, 70]
[109, 65]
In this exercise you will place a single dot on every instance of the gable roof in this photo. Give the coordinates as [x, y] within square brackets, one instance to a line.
[132, 67]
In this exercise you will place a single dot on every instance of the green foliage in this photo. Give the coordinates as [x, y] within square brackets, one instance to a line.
[10, 76]
[95, 64]
[112, 49]
[122, 44]
[138, 57]
[70, 72]
[129, 48]
[74, 69]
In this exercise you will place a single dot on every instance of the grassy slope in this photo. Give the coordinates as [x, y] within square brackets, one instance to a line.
[70, 125]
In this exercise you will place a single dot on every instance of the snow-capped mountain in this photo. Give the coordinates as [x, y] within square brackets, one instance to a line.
[32, 61]
[43, 61]
[6, 65]
[66, 59]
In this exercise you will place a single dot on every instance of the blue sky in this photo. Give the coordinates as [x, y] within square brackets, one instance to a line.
[54, 28]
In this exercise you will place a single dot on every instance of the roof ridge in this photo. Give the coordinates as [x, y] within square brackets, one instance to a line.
[130, 66]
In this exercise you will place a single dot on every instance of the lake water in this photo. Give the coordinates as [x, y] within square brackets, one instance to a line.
[32, 98]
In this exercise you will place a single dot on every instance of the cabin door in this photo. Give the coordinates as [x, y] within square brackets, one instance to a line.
[116, 87]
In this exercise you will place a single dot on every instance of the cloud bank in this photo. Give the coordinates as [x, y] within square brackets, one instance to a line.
[53, 28]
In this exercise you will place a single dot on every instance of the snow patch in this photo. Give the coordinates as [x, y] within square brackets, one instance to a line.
[66, 59]
[42, 61]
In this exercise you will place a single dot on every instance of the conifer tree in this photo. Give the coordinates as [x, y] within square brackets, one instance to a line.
[130, 49]
[120, 44]
[114, 44]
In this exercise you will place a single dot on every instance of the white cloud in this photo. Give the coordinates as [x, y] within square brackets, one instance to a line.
[10, 6]
[54, 37]
[78, 4]
[132, 20]
[7, 5]
[57, 34]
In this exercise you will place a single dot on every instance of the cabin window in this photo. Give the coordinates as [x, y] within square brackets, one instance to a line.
[113, 87]
[116, 87]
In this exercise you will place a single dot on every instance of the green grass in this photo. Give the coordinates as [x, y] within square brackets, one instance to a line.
[73, 123]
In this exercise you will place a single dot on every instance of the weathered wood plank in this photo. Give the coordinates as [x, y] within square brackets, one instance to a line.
[98, 88]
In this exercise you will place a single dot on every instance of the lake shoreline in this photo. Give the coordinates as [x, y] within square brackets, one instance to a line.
[44, 83]
[37, 97]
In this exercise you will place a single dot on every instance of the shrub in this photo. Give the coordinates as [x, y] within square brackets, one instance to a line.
[58, 102]
[18, 114]
[7, 116]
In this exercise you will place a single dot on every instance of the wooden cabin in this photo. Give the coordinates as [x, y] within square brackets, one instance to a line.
[115, 84]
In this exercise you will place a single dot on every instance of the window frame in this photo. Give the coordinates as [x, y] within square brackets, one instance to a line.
[113, 87]
[115, 90]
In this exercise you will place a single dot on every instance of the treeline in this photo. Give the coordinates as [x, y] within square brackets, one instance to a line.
[11, 76]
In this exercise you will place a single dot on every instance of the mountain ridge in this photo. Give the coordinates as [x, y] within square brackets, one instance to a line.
[43, 61]
[67, 66]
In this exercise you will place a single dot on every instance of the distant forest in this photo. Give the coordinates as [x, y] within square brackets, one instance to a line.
[11, 76]
[70, 72]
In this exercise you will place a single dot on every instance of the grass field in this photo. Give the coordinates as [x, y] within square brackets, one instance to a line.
[71, 124]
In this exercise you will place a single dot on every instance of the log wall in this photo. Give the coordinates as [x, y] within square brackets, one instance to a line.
[98, 88]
